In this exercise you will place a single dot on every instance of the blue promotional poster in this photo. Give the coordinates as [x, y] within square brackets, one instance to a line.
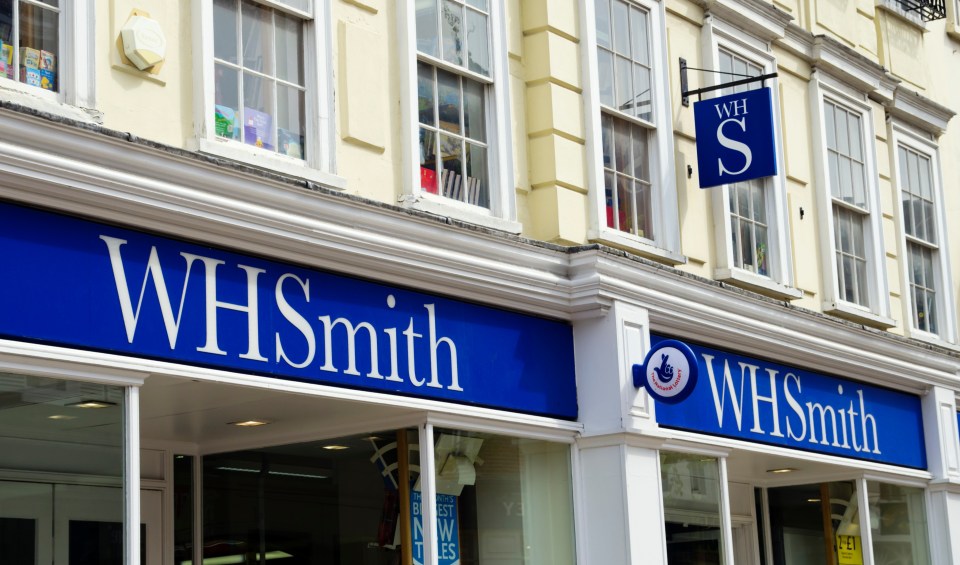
[736, 139]
[448, 529]
[751, 399]
[77, 283]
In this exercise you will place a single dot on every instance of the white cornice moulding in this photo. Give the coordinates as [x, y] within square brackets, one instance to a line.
[83, 172]
[762, 19]
[918, 110]
[850, 67]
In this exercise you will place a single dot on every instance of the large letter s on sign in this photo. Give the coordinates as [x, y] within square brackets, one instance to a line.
[735, 145]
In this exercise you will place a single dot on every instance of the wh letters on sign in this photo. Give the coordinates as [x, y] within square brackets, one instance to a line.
[735, 137]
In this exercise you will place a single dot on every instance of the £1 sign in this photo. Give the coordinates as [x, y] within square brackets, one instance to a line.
[735, 137]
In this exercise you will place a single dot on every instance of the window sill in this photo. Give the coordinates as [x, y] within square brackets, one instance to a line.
[271, 161]
[45, 101]
[932, 339]
[757, 283]
[893, 8]
[859, 315]
[635, 244]
[467, 213]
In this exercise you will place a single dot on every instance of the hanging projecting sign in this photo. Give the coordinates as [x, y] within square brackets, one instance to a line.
[83, 284]
[735, 137]
[761, 401]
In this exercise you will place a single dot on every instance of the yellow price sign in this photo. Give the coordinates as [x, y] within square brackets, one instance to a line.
[849, 551]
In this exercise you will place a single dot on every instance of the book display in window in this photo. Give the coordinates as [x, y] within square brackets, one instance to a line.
[29, 42]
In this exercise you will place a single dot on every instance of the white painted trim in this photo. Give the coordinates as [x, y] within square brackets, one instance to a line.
[717, 34]
[866, 533]
[820, 91]
[665, 244]
[725, 519]
[899, 135]
[428, 500]
[131, 476]
[461, 422]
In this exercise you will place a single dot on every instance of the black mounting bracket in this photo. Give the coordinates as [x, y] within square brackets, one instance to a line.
[685, 94]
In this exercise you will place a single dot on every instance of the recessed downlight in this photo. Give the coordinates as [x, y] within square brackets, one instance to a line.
[781, 470]
[61, 417]
[249, 423]
[92, 404]
[336, 447]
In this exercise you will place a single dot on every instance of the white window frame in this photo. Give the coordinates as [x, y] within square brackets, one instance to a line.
[717, 35]
[953, 18]
[665, 245]
[75, 65]
[823, 89]
[502, 212]
[318, 163]
[904, 136]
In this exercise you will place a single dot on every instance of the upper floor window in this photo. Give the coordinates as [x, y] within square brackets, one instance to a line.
[265, 98]
[634, 162]
[258, 77]
[926, 270]
[453, 82]
[853, 258]
[750, 217]
[30, 34]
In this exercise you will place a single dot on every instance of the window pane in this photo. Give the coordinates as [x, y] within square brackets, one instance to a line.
[605, 72]
[691, 509]
[292, 128]
[759, 201]
[622, 147]
[627, 202]
[225, 30]
[856, 137]
[830, 121]
[257, 38]
[428, 160]
[625, 94]
[451, 174]
[473, 110]
[644, 210]
[859, 190]
[289, 42]
[449, 93]
[898, 523]
[641, 168]
[638, 26]
[257, 107]
[478, 4]
[603, 24]
[846, 188]
[39, 46]
[621, 28]
[426, 95]
[476, 191]
[451, 25]
[509, 492]
[606, 134]
[760, 247]
[227, 97]
[643, 97]
[843, 133]
[610, 197]
[478, 56]
[428, 38]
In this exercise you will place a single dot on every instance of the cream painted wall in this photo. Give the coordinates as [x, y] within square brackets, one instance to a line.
[154, 106]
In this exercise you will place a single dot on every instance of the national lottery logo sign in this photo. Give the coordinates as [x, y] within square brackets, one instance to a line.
[668, 373]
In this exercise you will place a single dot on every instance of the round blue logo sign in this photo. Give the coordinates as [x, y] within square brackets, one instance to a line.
[669, 372]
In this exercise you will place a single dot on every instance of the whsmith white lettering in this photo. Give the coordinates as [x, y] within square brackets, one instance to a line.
[837, 424]
[337, 334]
[730, 110]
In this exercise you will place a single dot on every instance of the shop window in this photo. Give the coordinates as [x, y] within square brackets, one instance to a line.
[510, 499]
[266, 91]
[751, 224]
[812, 523]
[692, 510]
[259, 77]
[30, 34]
[855, 278]
[634, 161]
[61, 471]
[898, 524]
[462, 150]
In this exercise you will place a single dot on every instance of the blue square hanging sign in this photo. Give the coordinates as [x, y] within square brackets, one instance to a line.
[735, 137]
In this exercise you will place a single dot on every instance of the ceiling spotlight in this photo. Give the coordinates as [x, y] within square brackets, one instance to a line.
[92, 404]
[781, 470]
[61, 417]
[249, 423]
[336, 447]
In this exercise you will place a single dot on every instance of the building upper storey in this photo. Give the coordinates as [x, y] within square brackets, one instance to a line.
[557, 121]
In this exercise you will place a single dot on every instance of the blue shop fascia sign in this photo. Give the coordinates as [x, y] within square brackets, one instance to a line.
[736, 138]
[761, 401]
[78, 283]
